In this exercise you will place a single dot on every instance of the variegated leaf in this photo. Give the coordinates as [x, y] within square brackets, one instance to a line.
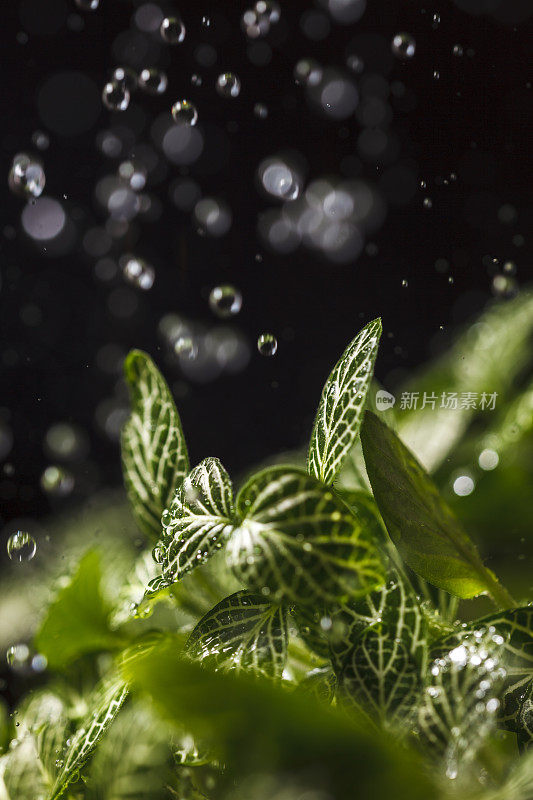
[244, 631]
[378, 647]
[338, 418]
[154, 453]
[516, 629]
[459, 704]
[198, 522]
[299, 542]
[103, 706]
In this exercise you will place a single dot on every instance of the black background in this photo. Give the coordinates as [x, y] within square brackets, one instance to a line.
[474, 121]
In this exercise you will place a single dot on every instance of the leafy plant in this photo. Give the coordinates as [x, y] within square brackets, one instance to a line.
[306, 653]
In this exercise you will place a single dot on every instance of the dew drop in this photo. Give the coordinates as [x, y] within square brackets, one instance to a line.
[225, 301]
[115, 96]
[403, 46]
[267, 344]
[21, 546]
[228, 85]
[185, 111]
[26, 177]
[172, 30]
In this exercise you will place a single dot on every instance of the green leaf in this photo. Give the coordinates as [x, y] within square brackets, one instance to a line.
[154, 453]
[379, 647]
[515, 627]
[30, 767]
[341, 405]
[133, 760]
[244, 631]
[488, 357]
[459, 705]
[103, 706]
[418, 520]
[77, 621]
[200, 519]
[258, 727]
[299, 542]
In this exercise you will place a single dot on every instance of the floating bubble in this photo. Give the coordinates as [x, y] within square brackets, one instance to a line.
[345, 11]
[41, 140]
[488, 459]
[213, 216]
[57, 481]
[134, 173]
[261, 111]
[254, 25]
[125, 76]
[225, 301]
[427, 203]
[355, 63]
[138, 272]
[153, 81]
[403, 46]
[44, 219]
[21, 546]
[115, 96]
[269, 9]
[185, 111]
[186, 346]
[436, 74]
[308, 72]
[17, 656]
[88, 5]
[228, 85]
[26, 177]
[267, 344]
[65, 441]
[457, 50]
[172, 30]
[435, 20]
[504, 286]
[463, 485]
[279, 179]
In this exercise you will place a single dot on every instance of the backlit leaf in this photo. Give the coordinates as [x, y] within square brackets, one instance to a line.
[244, 631]
[154, 453]
[419, 522]
[299, 542]
[341, 405]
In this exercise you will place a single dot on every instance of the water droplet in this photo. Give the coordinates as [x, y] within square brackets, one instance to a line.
[125, 76]
[185, 111]
[457, 50]
[153, 81]
[225, 301]
[504, 286]
[403, 46]
[428, 202]
[261, 111]
[88, 5]
[115, 96]
[267, 344]
[228, 85]
[172, 30]
[26, 177]
[17, 656]
[21, 546]
[308, 72]
[139, 273]
[57, 481]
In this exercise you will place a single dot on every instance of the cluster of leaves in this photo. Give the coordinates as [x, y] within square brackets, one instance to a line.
[305, 660]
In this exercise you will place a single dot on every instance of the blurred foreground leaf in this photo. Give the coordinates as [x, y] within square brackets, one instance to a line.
[259, 728]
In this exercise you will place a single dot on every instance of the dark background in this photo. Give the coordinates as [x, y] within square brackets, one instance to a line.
[474, 121]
